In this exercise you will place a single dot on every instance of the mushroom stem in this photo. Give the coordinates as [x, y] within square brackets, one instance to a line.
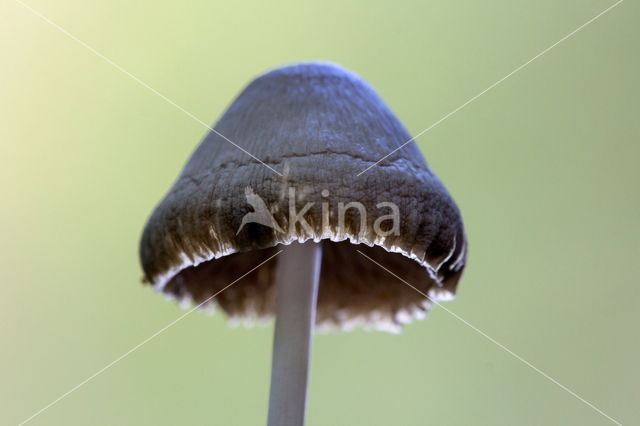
[297, 280]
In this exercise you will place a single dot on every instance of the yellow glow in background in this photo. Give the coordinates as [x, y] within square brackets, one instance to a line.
[544, 168]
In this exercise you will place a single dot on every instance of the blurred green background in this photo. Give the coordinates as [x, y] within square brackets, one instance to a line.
[544, 168]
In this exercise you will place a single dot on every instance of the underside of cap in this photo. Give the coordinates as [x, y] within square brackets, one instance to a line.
[319, 126]
[354, 290]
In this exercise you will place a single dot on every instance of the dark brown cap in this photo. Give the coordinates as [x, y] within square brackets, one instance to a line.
[319, 127]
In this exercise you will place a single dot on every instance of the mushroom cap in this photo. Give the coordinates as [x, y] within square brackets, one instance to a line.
[319, 126]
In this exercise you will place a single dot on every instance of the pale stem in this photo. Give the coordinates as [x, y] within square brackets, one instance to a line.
[297, 279]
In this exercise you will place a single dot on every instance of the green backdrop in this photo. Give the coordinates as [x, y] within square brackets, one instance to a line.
[544, 167]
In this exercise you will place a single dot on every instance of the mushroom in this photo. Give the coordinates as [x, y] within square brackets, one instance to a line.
[317, 225]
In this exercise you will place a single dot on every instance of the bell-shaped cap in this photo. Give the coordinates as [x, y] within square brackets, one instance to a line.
[319, 127]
